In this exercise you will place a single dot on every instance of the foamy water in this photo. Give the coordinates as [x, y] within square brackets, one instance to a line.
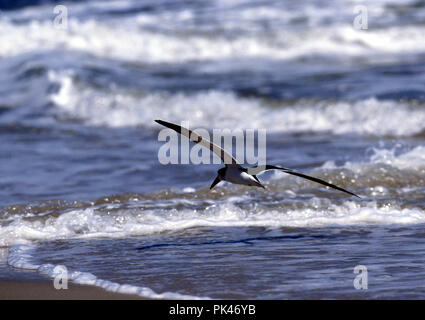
[215, 109]
[155, 213]
[142, 39]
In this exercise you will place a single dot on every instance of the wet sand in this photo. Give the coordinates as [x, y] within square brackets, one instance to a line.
[17, 284]
[44, 290]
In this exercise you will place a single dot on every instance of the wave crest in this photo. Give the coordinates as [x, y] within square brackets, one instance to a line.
[117, 107]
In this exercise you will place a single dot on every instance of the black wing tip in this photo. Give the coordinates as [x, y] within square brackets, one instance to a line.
[164, 123]
[348, 192]
[170, 125]
[313, 179]
[343, 190]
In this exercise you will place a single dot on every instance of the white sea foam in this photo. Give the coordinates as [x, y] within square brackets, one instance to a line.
[413, 159]
[217, 109]
[89, 223]
[21, 256]
[410, 160]
[127, 40]
[114, 222]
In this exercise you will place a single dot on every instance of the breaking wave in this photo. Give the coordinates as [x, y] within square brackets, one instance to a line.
[218, 109]
[135, 40]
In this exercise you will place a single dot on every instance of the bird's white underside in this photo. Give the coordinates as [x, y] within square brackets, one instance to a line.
[235, 175]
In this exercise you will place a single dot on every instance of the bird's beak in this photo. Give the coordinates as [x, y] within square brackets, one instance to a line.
[217, 180]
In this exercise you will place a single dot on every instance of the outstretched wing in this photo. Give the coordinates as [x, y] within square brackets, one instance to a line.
[193, 136]
[256, 170]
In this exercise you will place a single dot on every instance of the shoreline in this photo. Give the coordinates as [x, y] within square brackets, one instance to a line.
[16, 284]
[44, 290]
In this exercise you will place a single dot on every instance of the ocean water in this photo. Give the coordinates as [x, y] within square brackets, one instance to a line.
[81, 185]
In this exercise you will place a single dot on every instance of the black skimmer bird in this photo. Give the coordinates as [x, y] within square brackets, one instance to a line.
[234, 172]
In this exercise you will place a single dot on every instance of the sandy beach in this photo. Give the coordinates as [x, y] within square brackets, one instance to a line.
[18, 284]
[44, 290]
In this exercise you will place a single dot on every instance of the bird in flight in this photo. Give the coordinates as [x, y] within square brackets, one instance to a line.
[234, 172]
